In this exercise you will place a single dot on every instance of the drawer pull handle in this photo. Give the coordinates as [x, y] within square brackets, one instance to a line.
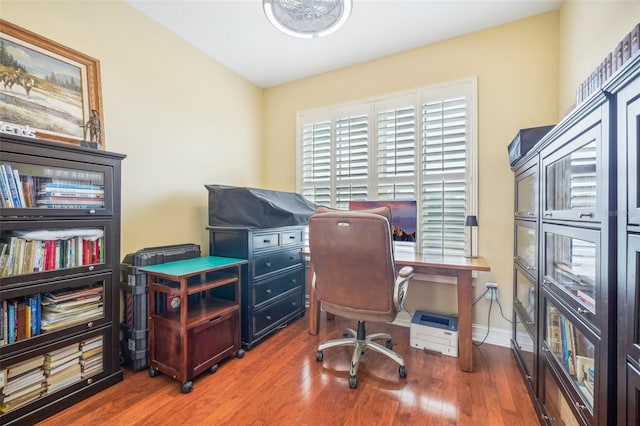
[91, 268]
[585, 214]
[548, 214]
[294, 281]
[531, 214]
[92, 211]
[268, 317]
[292, 257]
[544, 349]
[292, 237]
[215, 318]
[266, 241]
[268, 291]
[90, 324]
[583, 311]
[268, 264]
[580, 406]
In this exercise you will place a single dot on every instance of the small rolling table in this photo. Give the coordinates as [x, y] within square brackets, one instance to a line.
[194, 316]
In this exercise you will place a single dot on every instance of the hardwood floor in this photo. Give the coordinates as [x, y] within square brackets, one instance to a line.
[280, 382]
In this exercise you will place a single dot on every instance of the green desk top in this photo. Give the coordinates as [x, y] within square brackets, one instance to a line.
[192, 266]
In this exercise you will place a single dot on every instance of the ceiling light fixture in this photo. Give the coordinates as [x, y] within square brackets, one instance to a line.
[307, 18]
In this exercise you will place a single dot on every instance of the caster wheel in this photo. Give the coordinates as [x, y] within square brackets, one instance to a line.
[240, 353]
[353, 382]
[213, 368]
[319, 356]
[389, 344]
[403, 371]
[186, 387]
[153, 372]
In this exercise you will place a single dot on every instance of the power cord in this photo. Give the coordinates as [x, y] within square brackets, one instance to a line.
[489, 316]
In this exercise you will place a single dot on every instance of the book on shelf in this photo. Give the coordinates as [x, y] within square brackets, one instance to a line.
[31, 396]
[64, 378]
[553, 332]
[3, 324]
[24, 366]
[62, 352]
[91, 353]
[4, 189]
[18, 383]
[28, 187]
[56, 322]
[73, 294]
[50, 371]
[52, 364]
[13, 188]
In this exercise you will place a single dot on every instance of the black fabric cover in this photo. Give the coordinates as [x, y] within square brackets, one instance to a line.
[257, 208]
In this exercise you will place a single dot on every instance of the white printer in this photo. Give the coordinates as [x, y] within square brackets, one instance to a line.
[434, 332]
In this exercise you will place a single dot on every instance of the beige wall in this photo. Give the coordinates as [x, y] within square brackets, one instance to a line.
[185, 120]
[517, 70]
[182, 119]
[589, 30]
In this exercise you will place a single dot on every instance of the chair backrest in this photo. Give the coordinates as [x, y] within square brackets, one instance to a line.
[352, 255]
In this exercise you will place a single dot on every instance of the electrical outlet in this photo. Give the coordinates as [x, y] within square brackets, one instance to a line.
[492, 291]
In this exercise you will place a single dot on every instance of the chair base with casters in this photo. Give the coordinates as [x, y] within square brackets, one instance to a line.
[360, 341]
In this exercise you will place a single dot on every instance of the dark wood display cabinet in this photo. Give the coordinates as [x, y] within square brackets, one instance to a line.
[628, 366]
[59, 263]
[525, 271]
[576, 254]
[272, 282]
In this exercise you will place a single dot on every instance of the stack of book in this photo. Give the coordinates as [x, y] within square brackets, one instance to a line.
[65, 308]
[69, 194]
[62, 367]
[91, 358]
[627, 48]
[22, 383]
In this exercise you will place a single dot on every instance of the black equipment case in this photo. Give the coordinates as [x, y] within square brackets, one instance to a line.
[133, 283]
[524, 140]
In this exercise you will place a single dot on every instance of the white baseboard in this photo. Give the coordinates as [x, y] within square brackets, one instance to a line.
[497, 336]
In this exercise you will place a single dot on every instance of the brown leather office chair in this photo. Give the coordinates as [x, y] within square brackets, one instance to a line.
[355, 277]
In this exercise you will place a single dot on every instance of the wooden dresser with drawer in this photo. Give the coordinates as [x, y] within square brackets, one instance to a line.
[272, 288]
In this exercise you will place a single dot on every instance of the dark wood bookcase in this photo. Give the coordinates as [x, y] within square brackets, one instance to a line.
[576, 261]
[61, 227]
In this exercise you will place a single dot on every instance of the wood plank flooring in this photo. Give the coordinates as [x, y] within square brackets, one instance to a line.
[279, 382]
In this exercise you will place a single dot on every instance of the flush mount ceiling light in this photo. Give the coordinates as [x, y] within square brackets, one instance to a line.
[307, 18]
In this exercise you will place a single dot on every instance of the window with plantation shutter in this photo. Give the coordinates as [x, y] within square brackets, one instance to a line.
[417, 145]
[444, 165]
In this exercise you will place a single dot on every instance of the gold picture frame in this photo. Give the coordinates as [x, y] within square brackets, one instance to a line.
[52, 89]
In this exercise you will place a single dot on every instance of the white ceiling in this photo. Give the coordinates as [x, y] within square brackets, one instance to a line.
[237, 34]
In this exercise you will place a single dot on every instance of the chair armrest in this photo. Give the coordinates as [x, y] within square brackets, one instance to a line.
[405, 275]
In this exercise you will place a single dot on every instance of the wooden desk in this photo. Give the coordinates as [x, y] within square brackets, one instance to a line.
[455, 266]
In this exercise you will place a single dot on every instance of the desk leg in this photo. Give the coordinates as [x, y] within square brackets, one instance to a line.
[314, 307]
[465, 314]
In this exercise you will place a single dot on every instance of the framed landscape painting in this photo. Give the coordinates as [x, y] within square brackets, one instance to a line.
[50, 89]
